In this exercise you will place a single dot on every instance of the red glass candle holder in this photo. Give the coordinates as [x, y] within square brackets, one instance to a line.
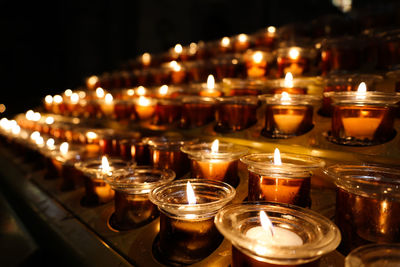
[266, 37]
[300, 238]
[257, 63]
[187, 231]
[124, 110]
[132, 205]
[240, 87]
[241, 42]
[235, 113]
[288, 115]
[221, 165]
[362, 119]
[229, 66]
[135, 149]
[97, 191]
[290, 85]
[168, 111]
[343, 83]
[165, 153]
[197, 111]
[297, 60]
[367, 204]
[289, 182]
[198, 70]
[145, 107]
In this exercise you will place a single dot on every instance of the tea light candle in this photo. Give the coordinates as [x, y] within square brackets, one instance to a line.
[361, 117]
[215, 161]
[296, 60]
[367, 204]
[187, 230]
[256, 63]
[107, 105]
[291, 236]
[288, 85]
[168, 111]
[178, 73]
[132, 205]
[210, 89]
[197, 111]
[146, 60]
[241, 42]
[288, 115]
[284, 178]
[97, 191]
[225, 45]
[145, 107]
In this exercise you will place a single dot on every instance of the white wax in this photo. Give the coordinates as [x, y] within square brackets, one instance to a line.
[281, 237]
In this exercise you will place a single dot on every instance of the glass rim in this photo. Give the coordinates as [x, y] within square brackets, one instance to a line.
[295, 99]
[140, 180]
[184, 210]
[199, 99]
[371, 181]
[202, 151]
[308, 52]
[84, 166]
[326, 234]
[168, 141]
[297, 81]
[239, 99]
[371, 97]
[366, 253]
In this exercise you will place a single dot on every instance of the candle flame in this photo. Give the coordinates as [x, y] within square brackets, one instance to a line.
[64, 147]
[50, 143]
[277, 157]
[288, 83]
[146, 58]
[100, 92]
[57, 99]
[16, 129]
[35, 135]
[225, 41]
[29, 115]
[108, 98]
[91, 135]
[36, 116]
[92, 80]
[271, 29]
[74, 98]
[215, 146]
[285, 97]
[294, 53]
[178, 48]
[49, 120]
[210, 82]
[192, 48]
[242, 37]
[105, 166]
[175, 66]
[163, 89]
[130, 92]
[141, 90]
[39, 141]
[82, 94]
[144, 101]
[257, 57]
[48, 99]
[361, 91]
[68, 92]
[266, 223]
[190, 194]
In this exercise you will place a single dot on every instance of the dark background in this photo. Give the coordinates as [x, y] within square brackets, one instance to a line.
[47, 47]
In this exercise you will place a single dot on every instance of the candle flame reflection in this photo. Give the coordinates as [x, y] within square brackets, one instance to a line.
[190, 194]
[285, 97]
[277, 157]
[266, 223]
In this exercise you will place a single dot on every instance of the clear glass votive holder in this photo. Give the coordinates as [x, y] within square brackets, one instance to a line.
[187, 231]
[301, 236]
[288, 183]
[374, 255]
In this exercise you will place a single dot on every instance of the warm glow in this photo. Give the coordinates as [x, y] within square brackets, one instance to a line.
[50, 143]
[48, 99]
[35, 135]
[144, 101]
[225, 42]
[277, 157]
[175, 66]
[288, 83]
[92, 80]
[64, 147]
[210, 82]
[215, 146]
[105, 166]
[15, 129]
[190, 194]
[257, 57]
[39, 141]
[68, 92]
[285, 97]
[82, 94]
[36, 116]
[192, 48]
[100, 92]
[271, 29]
[163, 90]
[141, 90]
[74, 98]
[178, 48]
[266, 223]
[91, 135]
[58, 99]
[29, 115]
[294, 53]
[130, 92]
[146, 59]
[361, 91]
[2, 108]
[109, 98]
[49, 120]
[242, 38]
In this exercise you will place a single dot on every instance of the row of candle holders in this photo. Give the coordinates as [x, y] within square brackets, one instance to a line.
[367, 200]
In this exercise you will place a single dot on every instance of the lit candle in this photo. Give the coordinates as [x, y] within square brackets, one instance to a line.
[241, 43]
[210, 88]
[178, 74]
[107, 105]
[146, 60]
[91, 82]
[296, 60]
[100, 92]
[225, 44]
[48, 101]
[187, 230]
[288, 122]
[145, 107]
[256, 64]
